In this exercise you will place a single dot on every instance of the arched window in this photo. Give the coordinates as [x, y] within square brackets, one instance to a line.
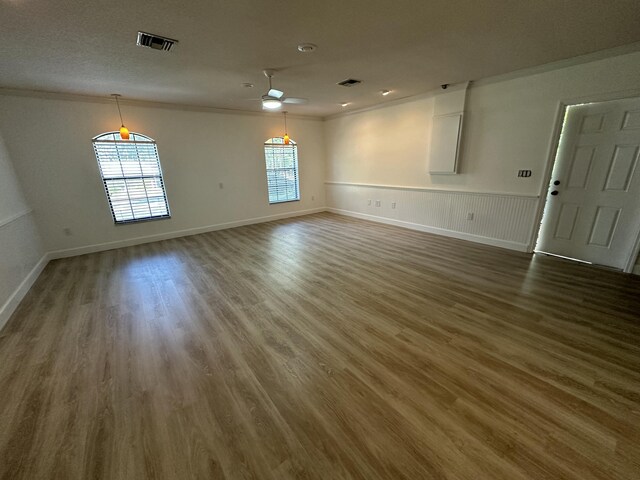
[282, 170]
[132, 177]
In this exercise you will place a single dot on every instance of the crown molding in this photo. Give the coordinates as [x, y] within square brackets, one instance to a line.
[525, 72]
[568, 62]
[107, 99]
[560, 64]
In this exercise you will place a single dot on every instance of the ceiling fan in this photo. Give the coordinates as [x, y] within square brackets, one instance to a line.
[274, 98]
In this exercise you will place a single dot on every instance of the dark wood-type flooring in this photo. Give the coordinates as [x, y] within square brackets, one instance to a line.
[321, 347]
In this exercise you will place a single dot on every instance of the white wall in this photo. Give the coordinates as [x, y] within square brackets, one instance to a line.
[380, 154]
[20, 246]
[50, 140]
[381, 146]
[509, 126]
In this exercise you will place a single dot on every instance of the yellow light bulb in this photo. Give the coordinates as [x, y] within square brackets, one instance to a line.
[286, 139]
[124, 133]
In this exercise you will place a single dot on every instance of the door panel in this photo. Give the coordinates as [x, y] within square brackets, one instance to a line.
[593, 123]
[631, 120]
[581, 166]
[594, 214]
[622, 167]
[567, 221]
[604, 226]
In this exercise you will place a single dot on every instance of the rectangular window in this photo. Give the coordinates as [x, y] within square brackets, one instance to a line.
[132, 177]
[282, 170]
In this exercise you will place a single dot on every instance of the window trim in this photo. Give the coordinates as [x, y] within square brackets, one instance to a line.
[294, 146]
[144, 140]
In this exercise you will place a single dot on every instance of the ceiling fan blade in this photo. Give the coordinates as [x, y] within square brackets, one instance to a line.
[275, 93]
[295, 100]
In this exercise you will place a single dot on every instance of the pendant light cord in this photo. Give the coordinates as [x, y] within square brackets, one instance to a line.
[119, 112]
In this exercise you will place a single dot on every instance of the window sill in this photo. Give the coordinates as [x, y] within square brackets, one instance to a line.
[142, 220]
[284, 201]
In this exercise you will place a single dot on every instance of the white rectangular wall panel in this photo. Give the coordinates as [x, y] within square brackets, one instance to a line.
[446, 130]
[445, 144]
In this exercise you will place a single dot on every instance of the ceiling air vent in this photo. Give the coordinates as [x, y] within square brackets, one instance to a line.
[155, 41]
[349, 82]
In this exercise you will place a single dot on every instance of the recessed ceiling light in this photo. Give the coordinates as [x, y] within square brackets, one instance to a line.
[385, 92]
[247, 85]
[306, 47]
[344, 104]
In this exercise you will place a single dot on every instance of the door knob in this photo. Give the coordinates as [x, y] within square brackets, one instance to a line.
[555, 192]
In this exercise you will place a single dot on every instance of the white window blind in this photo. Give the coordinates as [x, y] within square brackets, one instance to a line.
[282, 170]
[132, 177]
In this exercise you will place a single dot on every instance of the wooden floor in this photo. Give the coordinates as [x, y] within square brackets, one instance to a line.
[321, 347]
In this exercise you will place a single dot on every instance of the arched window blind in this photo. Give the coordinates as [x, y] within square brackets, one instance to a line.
[132, 177]
[282, 170]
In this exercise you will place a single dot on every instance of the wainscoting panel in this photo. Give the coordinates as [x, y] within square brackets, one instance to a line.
[505, 220]
[22, 258]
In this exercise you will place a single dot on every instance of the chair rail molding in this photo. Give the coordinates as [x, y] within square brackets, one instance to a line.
[14, 217]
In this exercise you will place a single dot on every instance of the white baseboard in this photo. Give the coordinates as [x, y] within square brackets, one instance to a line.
[100, 247]
[16, 297]
[495, 242]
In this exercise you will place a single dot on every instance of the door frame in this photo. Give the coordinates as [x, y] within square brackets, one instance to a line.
[554, 143]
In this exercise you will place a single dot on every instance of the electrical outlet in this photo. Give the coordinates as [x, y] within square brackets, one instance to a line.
[393, 205]
[369, 202]
[469, 216]
[377, 203]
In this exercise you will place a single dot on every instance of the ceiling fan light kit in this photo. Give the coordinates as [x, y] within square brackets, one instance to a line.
[274, 98]
[270, 103]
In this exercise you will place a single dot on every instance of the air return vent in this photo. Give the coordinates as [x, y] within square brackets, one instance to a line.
[349, 82]
[155, 41]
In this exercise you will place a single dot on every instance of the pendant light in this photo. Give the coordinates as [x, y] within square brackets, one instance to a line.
[124, 131]
[286, 138]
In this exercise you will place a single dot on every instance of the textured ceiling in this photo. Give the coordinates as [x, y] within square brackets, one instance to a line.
[407, 46]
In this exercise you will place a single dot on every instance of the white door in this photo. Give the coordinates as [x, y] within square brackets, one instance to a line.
[593, 205]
